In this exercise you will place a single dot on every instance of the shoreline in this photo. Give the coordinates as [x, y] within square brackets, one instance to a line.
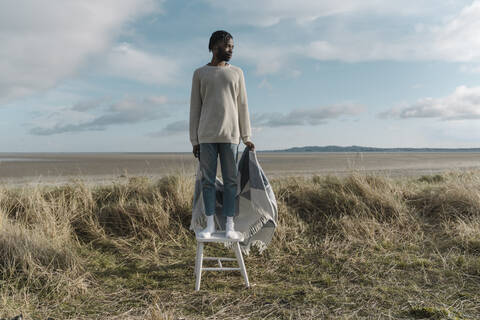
[108, 168]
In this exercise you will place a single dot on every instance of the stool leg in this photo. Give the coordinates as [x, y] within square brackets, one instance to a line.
[198, 265]
[196, 258]
[241, 263]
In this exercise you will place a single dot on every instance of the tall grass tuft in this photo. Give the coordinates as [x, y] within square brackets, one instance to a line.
[324, 204]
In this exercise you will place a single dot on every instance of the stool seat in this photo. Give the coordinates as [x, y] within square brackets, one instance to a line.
[221, 238]
[218, 236]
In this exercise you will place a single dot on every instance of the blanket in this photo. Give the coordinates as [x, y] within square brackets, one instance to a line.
[256, 210]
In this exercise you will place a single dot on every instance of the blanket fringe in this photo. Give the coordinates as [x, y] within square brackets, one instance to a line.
[253, 229]
[257, 226]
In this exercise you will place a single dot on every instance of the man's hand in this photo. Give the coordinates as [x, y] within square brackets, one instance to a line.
[250, 145]
[196, 151]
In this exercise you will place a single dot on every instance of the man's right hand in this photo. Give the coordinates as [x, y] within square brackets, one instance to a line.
[196, 151]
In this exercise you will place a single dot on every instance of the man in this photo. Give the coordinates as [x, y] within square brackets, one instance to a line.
[219, 118]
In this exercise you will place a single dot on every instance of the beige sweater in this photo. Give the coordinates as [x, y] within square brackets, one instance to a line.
[218, 105]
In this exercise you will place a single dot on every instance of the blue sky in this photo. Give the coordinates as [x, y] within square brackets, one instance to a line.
[115, 75]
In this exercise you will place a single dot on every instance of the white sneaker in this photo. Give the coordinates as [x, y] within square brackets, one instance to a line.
[230, 233]
[207, 232]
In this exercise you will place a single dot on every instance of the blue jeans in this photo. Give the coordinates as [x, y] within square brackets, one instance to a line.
[228, 153]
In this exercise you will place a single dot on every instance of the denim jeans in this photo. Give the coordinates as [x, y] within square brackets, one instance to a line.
[228, 153]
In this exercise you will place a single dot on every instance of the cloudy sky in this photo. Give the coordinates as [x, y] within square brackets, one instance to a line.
[115, 75]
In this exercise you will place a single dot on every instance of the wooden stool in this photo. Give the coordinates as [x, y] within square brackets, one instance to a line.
[218, 237]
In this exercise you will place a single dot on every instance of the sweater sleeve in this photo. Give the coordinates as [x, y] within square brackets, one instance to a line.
[195, 108]
[243, 116]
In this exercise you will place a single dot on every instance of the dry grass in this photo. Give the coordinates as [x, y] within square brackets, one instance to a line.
[360, 246]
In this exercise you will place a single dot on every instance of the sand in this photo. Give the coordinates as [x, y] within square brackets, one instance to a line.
[99, 168]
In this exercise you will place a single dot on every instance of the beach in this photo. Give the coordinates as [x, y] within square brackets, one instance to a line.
[102, 168]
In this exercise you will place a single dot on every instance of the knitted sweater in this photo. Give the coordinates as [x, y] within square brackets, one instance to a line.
[218, 105]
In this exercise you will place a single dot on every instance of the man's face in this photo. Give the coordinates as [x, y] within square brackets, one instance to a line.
[225, 50]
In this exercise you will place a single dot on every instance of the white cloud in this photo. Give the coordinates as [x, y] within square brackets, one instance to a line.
[128, 62]
[301, 117]
[45, 42]
[267, 57]
[270, 12]
[97, 115]
[173, 128]
[456, 40]
[463, 103]
[356, 31]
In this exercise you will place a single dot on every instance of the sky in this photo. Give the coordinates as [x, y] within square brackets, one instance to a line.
[115, 75]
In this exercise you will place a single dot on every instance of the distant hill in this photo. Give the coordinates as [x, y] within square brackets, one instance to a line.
[372, 149]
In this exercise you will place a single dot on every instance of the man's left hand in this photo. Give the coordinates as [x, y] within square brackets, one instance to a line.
[250, 145]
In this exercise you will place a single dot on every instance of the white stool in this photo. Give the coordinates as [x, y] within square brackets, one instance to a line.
[218, 237]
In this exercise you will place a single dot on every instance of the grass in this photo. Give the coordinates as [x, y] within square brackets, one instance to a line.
[358, 247]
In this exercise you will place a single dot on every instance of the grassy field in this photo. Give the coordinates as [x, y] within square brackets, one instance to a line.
[360, 246]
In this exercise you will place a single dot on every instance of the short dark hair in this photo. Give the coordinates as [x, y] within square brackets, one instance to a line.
[219, 35]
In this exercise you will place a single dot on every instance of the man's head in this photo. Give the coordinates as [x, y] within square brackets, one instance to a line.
[221, 45]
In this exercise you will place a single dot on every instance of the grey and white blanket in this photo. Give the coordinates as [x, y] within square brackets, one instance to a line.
[256, 211]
